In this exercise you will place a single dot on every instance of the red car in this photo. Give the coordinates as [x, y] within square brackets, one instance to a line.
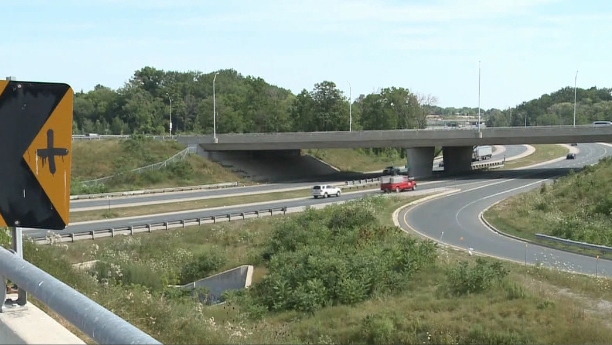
[397, 183]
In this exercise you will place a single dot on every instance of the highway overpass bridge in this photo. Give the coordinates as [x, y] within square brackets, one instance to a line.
[457, 143]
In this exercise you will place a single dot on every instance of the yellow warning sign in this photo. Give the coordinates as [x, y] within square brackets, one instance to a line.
[49, 156]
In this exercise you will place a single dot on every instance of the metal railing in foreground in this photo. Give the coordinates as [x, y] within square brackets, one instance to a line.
[95, 321]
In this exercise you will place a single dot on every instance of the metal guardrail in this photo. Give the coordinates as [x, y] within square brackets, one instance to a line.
[362, 181]
[154, 191]
[120, 137]
[495, 164]
[54, 237]
[574, 243]
[98, 323]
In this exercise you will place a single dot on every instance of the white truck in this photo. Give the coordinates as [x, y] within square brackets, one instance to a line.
[482, 153]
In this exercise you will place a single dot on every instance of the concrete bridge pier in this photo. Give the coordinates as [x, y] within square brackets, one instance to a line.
[420, 161]
[457, 159]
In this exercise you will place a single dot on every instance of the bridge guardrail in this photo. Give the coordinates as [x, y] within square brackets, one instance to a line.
[573, 243]
[100, 324]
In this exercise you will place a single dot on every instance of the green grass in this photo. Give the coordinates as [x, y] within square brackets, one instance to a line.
[575, 207]
[102, 158]
[360, 160]
[508, 303]
[542, 153]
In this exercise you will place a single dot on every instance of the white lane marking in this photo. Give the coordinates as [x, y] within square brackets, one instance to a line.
[492, 196]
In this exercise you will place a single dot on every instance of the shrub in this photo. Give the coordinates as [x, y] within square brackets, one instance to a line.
[340, 255]
[466, 279]
[205, 264]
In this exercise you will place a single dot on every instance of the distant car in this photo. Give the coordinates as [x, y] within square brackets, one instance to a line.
[325, 191]
[571, 156]
[574, 144]
[388, 170]
[441, 164]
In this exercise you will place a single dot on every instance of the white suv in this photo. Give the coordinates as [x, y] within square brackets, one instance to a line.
[325, 191]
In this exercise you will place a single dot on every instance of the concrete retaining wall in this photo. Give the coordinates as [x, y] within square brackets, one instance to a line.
[234, 279]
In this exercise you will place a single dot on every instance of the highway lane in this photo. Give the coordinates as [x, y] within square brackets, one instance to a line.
[90, 204]
[455, 218]
[114, 223]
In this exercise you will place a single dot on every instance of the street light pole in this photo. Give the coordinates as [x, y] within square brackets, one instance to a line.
[478, 96]
[215, 109]
[350, 108]
[170, 123]
[575, 81]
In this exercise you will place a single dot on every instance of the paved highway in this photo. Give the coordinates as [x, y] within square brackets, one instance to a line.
[455, 218]
[128, 201]
[173, 216]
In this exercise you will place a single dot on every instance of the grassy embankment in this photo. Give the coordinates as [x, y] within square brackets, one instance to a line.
[102, 158]
[542, 153]
[339, 275]
[576, 207]
[358, 160]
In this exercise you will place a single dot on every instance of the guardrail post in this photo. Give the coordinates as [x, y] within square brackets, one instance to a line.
[183, 223]
[72, 237]
[214, 219]
[93, 234]
[166, 225]
[131, 230]
[229, 217]
[199, 221]
[17, 244]
[112, 232]
[284, 211]
[242, 214]
[149, 228]
[271, 212]
[257, 213]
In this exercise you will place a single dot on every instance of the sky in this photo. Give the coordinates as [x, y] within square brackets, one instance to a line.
[512, 50]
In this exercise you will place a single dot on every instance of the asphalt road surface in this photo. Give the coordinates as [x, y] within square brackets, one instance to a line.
[174, 216]
[454, 219]
[90, 204]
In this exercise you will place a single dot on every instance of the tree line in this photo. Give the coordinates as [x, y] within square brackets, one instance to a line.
[249, 104]
[147, 102]
[557, 109]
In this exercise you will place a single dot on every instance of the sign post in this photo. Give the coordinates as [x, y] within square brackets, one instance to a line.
[36, 141]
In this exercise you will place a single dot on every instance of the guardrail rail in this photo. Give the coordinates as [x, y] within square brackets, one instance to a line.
[98, 323]
[574, 243]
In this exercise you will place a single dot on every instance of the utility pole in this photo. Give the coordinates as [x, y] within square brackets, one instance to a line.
[350, 108]
[478, 96]
[575, 82]
[170, 125]
[215, 109]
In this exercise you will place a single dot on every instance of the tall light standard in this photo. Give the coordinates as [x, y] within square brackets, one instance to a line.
[215, 109]
[478, 96]
[350, 108]
[575, 81]
[170, 123]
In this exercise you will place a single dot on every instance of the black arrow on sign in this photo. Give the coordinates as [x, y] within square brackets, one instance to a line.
[24, 109]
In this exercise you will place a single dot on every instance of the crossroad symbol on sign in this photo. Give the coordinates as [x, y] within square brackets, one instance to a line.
[51, 152]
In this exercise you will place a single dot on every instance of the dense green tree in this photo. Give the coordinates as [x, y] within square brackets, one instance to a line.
[250, 104]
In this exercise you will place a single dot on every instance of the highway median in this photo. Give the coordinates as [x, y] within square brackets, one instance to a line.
[121, 212]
